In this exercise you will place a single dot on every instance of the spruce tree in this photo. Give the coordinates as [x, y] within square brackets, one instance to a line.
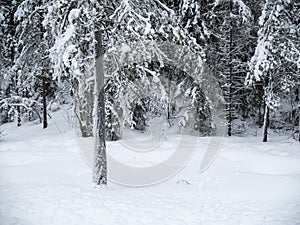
[275, 64]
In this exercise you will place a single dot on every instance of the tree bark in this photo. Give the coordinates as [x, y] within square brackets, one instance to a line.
[298, 111]
[44, 87]
[266, 123]
[230, 75]
[45, 123]
[100, 161]
[298, 122]
[18, 116]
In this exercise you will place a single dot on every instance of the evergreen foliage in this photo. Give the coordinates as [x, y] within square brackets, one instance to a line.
[250, 47]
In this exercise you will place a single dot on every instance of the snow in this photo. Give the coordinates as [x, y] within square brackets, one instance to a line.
[66, 36]
[67, 54]
[45, 180]
[47, 18]
[122, 9]
[19, 12]
[243, 10]
[170, 11]
[1, 17]
[53, 106]
[259, 62]
[74, 14]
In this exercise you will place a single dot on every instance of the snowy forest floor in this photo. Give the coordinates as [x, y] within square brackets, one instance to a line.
[45, 181]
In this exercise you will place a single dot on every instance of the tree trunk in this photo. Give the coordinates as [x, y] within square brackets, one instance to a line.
[266, 123]
[100, 161]
[298, 122]
[45, 123]
[260, 117]
[298, 111]
[230, 76]
[18, 116]
[169, 99]
[18, 107]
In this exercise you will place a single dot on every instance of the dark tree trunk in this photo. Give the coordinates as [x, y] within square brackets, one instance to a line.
[298, 122]
[18, 116]
[267, 83]
[100, 161]
[298, 110]
[230, 77]
[260, 116]
[266, 123]
[45, 123]
[43, 77]
[18, 107]
[169, 100]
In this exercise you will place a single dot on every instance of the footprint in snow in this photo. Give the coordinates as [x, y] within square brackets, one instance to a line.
[183, 182]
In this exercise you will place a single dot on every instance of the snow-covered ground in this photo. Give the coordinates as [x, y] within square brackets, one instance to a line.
[45, 181]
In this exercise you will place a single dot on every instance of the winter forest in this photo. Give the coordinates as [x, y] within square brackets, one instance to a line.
[199, 68]
[251, 48]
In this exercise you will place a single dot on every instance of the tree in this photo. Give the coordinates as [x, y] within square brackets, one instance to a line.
[70, 24]
[227, 54]
[100, 164]
[26, 72]
[77, 57]
[223, 28]
[275, 64]
[9, 100]
[22, 59]
[146, 64]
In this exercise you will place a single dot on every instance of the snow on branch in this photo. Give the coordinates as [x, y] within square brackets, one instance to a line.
[243, 10]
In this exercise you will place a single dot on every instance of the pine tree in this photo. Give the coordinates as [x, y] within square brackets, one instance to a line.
[275, 64]
[9, 98]
[70, 23]
[227, 52]
[25, 52]
[150, 26]
[224, 29]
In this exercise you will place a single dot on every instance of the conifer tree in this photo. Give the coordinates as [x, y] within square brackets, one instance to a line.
[275, 63]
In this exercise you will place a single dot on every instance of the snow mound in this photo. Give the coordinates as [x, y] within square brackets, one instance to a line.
[44, 180]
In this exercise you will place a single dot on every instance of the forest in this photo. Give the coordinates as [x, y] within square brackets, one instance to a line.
[149, 112]
[188, 62]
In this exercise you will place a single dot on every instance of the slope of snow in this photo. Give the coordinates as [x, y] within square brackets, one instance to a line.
[45, 180]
